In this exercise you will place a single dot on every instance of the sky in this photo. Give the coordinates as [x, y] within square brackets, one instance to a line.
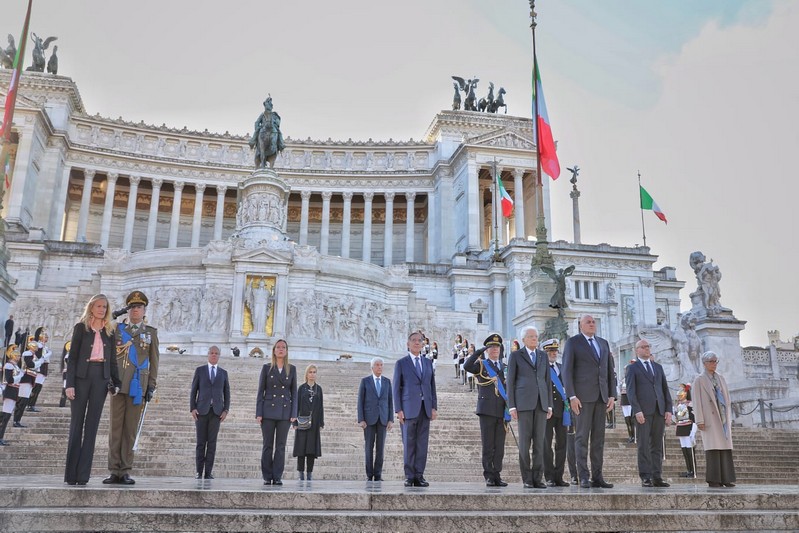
[701, 98]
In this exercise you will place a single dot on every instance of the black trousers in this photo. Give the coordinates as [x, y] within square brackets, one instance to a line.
[87, 407]
[532, 426]
[492, 435]
[374, 437]
[650, 446]
[207, 426]
[273, 453]
[590, 433]
[554, 462]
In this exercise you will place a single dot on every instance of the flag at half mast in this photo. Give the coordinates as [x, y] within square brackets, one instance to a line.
[647, 202]
[546, 143]
[507, 201]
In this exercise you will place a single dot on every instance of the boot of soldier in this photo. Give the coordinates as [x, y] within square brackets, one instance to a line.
[63, 402]
[628, 421]
[34, 397]
[4, 418]
[19, 410]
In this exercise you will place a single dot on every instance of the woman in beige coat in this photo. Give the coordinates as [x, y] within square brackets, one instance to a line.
[713, 412]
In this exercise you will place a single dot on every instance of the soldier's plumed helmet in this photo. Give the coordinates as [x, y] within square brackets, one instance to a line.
[137, 298]
[551, 344]
[493, 340]
[32, 342]
[12, 352]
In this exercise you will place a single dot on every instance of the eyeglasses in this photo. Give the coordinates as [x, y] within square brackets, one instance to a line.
[712, 361]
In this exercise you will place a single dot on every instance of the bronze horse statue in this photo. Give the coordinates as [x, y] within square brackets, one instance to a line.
[488, 101]
[267, 138]
[468, 87]
[499, 102]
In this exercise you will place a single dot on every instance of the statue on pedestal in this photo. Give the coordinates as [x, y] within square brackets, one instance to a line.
[267, 138]
[708, 294]
[260, 301]
[39, 47]
[558, 300]
[7, 56]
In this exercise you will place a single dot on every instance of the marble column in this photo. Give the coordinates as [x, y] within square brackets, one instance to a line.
[306, 199]
[367, 226]
[174, 223]
[518, 202]
[345, 226]
[388, 242]
[496, 323]
[410, 200]
[130, 215]
[432, 229]
[474, 197]
[152, 222]
[325, 238]
[108, 208]
[219, 216]
[85, 203]
[196, 222]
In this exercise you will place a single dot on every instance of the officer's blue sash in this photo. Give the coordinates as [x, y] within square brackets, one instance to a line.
[133, 356]
[567, 418]
[500, 387]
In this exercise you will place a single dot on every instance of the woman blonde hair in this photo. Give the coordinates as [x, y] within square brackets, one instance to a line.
[274, 359]
[86, 317]
[308, 369]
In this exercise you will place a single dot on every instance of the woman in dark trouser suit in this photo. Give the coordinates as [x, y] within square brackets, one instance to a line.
[91, 373]
[275, 410]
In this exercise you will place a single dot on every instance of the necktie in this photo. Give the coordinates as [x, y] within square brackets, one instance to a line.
[377, 386]
[649, 368]
[555, 369]
[213, 374]
[418, 366]
[592, 342]
[532, 358]
[134, 328]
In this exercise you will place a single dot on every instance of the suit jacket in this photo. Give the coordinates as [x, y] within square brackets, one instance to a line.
[81, 349]
[489, 401]
[706, 411]
[558, 403]
[146, 343]
[9, 327]
[646, 393]
[585, 377]
[529, 387]
[374, 409]
[206, 395]
[410, 389]
[277, 393]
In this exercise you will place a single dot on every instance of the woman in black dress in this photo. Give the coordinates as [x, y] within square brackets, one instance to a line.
[308, 442]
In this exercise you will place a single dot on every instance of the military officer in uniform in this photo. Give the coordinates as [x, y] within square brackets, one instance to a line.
[557, 425]
[491, 407]
[137, 359]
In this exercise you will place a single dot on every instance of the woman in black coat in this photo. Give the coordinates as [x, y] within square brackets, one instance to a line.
[308, 442]
[275, 410]
[92, 372]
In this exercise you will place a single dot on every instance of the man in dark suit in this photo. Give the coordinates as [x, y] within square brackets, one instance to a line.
[415, 404]
[491, 405]
[649, 396]
[209, 403]
[589, 379]
[530, 403]
[375, 416]
[561, 418]
[9, 329]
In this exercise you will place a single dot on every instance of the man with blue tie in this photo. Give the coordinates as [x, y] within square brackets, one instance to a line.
[649, 396]
[209, 403]
[375, 416]
[590, 382]
[415, 404]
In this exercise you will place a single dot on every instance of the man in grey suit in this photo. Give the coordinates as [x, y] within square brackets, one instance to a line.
[650, 399]
[590, 382]
[530, 403]
[375, 416]
[209, 403]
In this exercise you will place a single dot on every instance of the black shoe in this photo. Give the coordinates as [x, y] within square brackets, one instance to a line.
[301, 476]
[550, 483]
[126, 480]
[72, 483]
[491, 483]
[198, 476]
[631, 440]
[686, 474]
[575, 481]
[729, 485]
[422, 482]
[646, 483]
[277, 482]
[499, 483]
[601, 484]
[713, 484]
[19, 425]
[310, 476]
[82, 483]
[267, 482]
[584, 484]
[529, 486]
[209, 476]
[378, 478]
[660, 483]
[410, 482]
[369, 478]
[539, 485]
[4, 443]
[33, 409]
[560, 483]
[113, 479]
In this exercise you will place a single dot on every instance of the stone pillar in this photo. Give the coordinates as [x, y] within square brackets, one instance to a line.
[345, 226]
[85, 202]
[306, 199]
[196, 223]
[388, 242]
[174, 223]
[496, 308]
[367, 226]
[518, 202]
[108, 208]
[130, 215]
[325, 241]
[432, 229]
[474, 206]
[575, 196]
[410, 199]
[219, 216]
[152, 222]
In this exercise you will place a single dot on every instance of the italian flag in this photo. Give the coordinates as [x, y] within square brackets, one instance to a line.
[648, 203]
[507, 201]
[544, 139]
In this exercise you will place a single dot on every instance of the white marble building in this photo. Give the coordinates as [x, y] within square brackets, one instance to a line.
[349, 246]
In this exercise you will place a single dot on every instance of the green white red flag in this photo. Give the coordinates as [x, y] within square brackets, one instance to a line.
[506, 200]
[647, 202]
[544, 140]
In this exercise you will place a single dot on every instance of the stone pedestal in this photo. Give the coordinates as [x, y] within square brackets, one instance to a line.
[722, 334]
[263, 207]
[538, 291]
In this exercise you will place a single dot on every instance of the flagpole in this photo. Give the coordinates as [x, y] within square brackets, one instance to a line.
[640, 204]
[542, 255]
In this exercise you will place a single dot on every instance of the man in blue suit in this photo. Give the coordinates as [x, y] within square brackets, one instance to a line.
[649, 396]
[375, 416]
[590, 382]
[415, 404]
[209, 403]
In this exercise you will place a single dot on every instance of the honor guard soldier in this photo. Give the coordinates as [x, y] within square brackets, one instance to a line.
[489, 375]
[560, 421]
[137, 360]
[11, 378]
[27, 382]
[42, 362]
[64, 362]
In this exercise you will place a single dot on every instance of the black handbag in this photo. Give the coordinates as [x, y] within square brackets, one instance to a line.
[303, 422]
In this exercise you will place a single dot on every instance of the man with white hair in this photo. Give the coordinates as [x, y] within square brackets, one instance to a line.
[375, 416]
